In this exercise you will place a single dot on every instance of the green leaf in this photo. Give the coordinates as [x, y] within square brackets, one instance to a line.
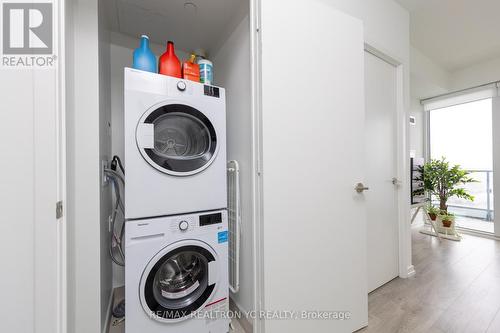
[445, 181]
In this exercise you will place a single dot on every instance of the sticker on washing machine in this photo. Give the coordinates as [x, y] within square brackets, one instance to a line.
[222, 236]
[215, 310]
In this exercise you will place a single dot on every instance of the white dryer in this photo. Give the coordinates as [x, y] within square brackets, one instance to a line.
[175, 146]
[176, 274]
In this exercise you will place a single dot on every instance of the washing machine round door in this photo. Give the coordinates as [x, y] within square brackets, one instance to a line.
[177, 139]
[179, 281]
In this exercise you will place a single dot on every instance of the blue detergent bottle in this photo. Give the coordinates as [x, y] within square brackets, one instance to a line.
[144, 58]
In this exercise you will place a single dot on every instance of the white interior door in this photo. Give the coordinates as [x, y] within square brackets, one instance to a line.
[381, 168]
[28, 174]
[31, 282]
[314, 222]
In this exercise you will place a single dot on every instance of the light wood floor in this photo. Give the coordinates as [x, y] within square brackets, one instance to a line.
[456, 289]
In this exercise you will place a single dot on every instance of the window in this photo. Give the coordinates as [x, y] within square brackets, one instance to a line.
[463, 134]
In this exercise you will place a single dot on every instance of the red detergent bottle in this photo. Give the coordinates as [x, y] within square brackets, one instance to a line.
[169, 64]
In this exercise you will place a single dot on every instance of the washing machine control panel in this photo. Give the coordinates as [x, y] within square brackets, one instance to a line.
[181, 85]
[183, 224]
[210, 219]
[190, 223]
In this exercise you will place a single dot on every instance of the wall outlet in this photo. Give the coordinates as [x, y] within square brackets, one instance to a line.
[104, 178]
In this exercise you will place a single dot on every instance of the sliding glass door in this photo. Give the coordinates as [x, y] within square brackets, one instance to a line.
[463, 134]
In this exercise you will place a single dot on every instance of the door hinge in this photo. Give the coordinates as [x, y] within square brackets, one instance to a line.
[59, 209]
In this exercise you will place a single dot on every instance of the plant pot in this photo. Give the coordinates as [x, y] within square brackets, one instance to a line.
[433, 216]
[446, 224]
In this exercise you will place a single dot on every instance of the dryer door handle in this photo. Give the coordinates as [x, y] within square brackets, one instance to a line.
[145, 135]
[213, 272]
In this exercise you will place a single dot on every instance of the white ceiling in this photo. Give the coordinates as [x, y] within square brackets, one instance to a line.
[205, 25]
[455, 33]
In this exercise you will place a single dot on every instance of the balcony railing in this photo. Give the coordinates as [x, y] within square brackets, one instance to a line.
[482, 190]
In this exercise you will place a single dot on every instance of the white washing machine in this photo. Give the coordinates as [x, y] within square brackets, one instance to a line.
[175, 146]
[176, 274]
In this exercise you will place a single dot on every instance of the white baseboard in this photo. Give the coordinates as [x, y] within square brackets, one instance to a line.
[108, 312]
[478, 233]
[411, 271]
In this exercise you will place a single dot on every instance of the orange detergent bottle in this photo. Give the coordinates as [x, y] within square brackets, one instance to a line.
[190, 69]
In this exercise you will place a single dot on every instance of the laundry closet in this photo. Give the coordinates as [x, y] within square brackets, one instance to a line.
[292, 74]
[183, 193]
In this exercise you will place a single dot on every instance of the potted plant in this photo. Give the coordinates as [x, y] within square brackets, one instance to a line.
[444, 181]
[433, 212]
[447, 219]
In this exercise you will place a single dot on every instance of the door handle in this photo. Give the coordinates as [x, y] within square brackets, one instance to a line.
[360, 188]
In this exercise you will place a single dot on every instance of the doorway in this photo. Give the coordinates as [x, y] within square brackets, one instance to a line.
[381, 102]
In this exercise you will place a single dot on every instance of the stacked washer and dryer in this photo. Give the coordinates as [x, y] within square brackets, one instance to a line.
[176, 231]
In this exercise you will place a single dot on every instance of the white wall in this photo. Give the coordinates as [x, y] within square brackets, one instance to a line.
[386, 25]
[105, 155]
[71, 297]
[83, 149]
[416, 131]
[232, 71]
[88, 142]
[478, 74]
[121, 57]
[427, 79]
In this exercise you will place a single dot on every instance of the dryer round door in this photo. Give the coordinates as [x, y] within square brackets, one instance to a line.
[179, 281]
[177, 139]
